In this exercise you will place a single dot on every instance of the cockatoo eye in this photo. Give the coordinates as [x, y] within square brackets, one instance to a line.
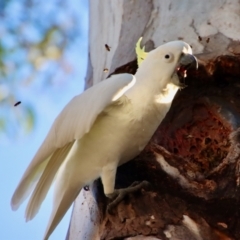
[168, 57]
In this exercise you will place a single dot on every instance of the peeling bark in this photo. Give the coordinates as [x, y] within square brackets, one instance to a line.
[192, 161]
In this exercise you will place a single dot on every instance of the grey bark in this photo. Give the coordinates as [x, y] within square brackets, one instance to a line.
[192, 162]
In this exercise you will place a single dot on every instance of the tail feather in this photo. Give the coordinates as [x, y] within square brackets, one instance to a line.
[63, 201]
[46, 180]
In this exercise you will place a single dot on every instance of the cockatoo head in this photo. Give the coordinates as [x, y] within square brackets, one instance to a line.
[170, 61]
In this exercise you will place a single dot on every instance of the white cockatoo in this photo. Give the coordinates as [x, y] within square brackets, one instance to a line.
[102, 128]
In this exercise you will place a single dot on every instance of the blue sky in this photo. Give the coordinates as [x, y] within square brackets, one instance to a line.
[16, 154]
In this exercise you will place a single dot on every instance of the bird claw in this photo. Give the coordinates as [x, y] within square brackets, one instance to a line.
[118, 194]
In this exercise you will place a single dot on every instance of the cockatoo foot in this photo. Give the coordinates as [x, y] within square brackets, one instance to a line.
[118, 195]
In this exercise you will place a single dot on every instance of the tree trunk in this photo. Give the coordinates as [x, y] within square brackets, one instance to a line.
[192, 161]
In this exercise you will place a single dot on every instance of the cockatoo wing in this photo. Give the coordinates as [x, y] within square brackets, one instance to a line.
[72, 123]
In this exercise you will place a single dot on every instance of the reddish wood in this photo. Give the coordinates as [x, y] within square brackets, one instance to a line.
[200, 139]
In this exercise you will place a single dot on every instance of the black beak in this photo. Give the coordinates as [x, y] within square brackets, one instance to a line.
[186, 61]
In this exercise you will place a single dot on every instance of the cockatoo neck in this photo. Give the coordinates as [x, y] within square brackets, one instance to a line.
[167, 94]
[151, 87]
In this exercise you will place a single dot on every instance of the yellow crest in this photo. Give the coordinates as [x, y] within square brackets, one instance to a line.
[141, 54]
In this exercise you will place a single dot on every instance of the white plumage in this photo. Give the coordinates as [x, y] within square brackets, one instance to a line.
[107, 125]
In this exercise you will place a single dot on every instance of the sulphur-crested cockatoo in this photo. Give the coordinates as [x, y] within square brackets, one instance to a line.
[102, 128]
